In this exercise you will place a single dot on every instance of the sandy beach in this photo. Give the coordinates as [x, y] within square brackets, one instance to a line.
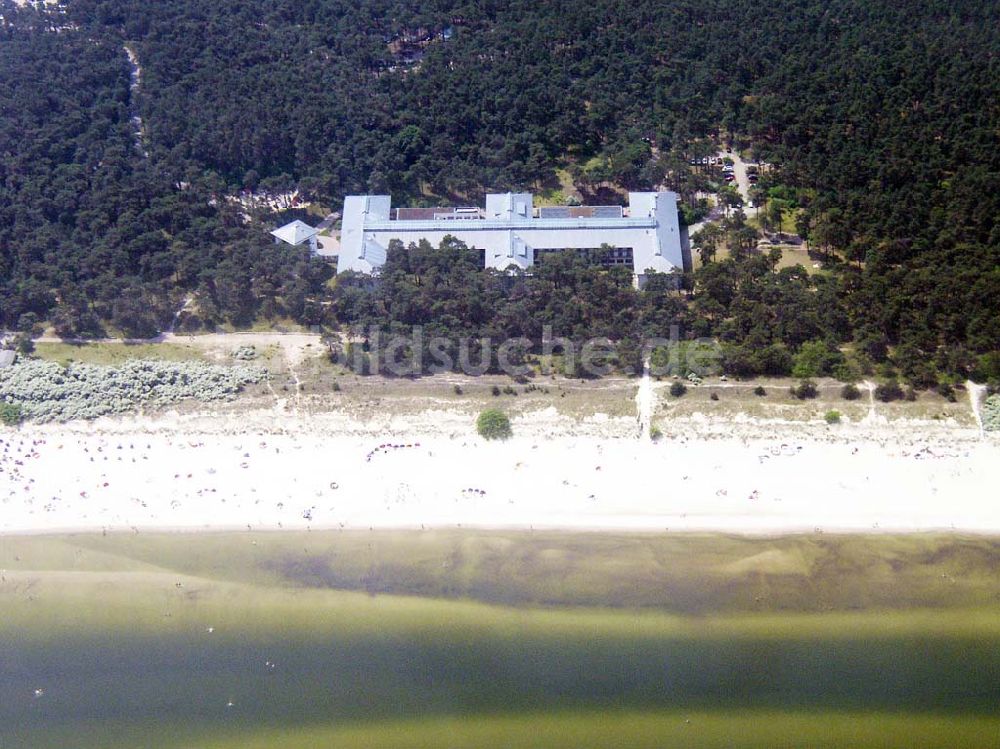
[265, 470]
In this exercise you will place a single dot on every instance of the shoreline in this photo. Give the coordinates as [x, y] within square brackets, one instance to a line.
[761, 534]
[266, 470]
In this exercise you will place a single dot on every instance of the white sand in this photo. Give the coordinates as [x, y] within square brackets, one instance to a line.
[268, 471]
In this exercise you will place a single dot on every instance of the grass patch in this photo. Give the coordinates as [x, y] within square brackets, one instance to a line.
[116, 353]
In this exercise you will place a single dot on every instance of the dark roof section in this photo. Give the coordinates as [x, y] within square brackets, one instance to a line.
[430, 214]
[580, 211]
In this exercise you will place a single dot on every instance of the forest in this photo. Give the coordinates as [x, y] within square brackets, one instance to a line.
[880, 121]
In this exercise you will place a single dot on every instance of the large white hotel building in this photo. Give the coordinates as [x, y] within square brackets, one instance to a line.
[510, 231]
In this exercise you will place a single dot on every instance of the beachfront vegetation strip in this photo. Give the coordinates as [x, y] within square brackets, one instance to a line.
[46, 391]
[878, 118]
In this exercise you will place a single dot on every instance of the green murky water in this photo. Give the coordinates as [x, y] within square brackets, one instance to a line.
[183, 641]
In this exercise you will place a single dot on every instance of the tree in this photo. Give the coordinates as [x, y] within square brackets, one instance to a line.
[729, 198]
[816, 359]
[829, 231]
[775, 214]
[707, 240]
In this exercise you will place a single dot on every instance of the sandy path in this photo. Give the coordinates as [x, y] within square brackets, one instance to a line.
[645, 401]
[976, 394]
[135, 81]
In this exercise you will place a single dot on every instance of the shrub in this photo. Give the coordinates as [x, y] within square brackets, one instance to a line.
[886, 371]
[336, 387]
[816, 359]
[987, 367]
[508, 390]
[850, 392]
[495, 390]
[832, 417]
[947, 391]
[23, 344]
[760, 391]
[991, 413]
[493, 424]
[847, 371]
[805, 389]
[910, 394]
[655, 433]
[245, 353]
[714, 396]
[678, 388]
[458, 389]
[888, 391]
[10, 413]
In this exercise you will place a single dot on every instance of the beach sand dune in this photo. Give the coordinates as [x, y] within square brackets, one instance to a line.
[262, 472]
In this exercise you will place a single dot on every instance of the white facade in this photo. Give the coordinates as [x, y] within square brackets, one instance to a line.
[510, 232]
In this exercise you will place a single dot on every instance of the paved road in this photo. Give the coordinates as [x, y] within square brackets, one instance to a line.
[327, 222]
[740, 170]
[328, 245]
[742, 185]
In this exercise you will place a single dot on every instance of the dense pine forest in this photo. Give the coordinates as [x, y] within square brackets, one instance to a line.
[880, 121]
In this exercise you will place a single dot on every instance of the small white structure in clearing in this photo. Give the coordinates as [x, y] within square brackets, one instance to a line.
[296, 233]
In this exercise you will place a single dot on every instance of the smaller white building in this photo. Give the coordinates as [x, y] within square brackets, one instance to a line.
[296, 233]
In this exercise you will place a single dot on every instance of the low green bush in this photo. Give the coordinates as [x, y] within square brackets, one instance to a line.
[947, 391]
[805, 389]
[678, 388]
[850, 392]
[10, 413]
[888, 391]
[493, 424]
[832, 417]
